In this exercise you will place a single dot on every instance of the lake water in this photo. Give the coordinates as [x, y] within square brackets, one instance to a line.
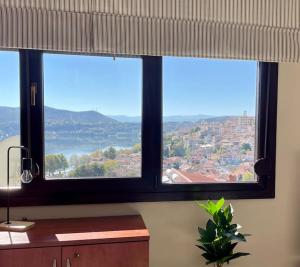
[69, 152]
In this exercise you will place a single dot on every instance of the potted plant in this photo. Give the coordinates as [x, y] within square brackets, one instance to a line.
[220, 237]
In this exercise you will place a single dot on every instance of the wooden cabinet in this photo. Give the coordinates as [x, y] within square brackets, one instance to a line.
[33, 257]
[90, 242]
[131, 254]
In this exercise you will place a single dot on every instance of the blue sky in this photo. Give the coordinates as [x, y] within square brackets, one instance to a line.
[9, 79]
[113, 87]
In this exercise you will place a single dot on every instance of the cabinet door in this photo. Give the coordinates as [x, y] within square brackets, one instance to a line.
[131, 254]
[31, 257]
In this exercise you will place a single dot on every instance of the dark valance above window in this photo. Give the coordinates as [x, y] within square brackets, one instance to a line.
[240, 29]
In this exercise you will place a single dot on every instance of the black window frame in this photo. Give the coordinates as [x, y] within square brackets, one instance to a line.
[149, 187]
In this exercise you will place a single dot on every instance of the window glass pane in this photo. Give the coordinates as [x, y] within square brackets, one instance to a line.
[209, 125]
[9, 116]
[92, 116]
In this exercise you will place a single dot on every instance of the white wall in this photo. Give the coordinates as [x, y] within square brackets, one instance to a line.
[14, 162]
[274, 223]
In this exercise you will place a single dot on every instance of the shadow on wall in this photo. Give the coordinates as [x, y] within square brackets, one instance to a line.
[14, 161]
[295, 230]
[73, 211]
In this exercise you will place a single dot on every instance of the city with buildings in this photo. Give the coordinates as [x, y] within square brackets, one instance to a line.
[214, 150]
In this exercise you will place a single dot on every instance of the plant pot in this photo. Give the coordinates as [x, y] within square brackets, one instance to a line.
[218, 265]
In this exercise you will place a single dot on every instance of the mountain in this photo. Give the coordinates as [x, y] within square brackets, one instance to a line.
[9, 122]
[9, 115]
[179, 118]
[122, 118]
[88, 130]
[58, 115]
[12, 115]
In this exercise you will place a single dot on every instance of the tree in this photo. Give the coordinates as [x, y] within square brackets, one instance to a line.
[80, 171]
[246, 147]
[92, 170]
[248, 176]
[195, 130]
[178, 150]
[109, 166]
[166, 152]
[97, 170]
[74, 160]
[176, 165]
[54, 163]
[62, 162]
[136, 148]
[96, 154]
[84, 160]
[110, 153]
[50, 164]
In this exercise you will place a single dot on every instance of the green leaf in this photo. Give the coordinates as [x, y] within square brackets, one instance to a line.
[208, 256]
[236, 236]
[201, 231]
[211, 207]
[201, 247]
[228, 212]
[207, 236]
[210, 233]
[234, 227]
[216, 218]
[211, 226]
[232, 246]
[220, 204]
[207, 207]
[203, 206]
[240, 237]
[222, 220]
[234, 256]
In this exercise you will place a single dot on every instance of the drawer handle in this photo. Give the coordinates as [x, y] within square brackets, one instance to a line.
[76, 255]
[54, 263]
[68, 262]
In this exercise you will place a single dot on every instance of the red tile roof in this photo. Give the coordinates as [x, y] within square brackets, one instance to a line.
[186, 177]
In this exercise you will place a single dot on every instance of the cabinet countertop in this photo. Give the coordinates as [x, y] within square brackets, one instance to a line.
[77, 231]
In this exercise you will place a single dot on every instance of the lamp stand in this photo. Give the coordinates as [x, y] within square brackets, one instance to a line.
[16, 226]
[8, 225]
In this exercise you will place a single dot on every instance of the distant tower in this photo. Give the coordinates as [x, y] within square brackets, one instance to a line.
[245, 113]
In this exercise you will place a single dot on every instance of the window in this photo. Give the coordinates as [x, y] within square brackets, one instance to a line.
[92, 116]
[9, 116]
[146, 128]
[209, 123]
